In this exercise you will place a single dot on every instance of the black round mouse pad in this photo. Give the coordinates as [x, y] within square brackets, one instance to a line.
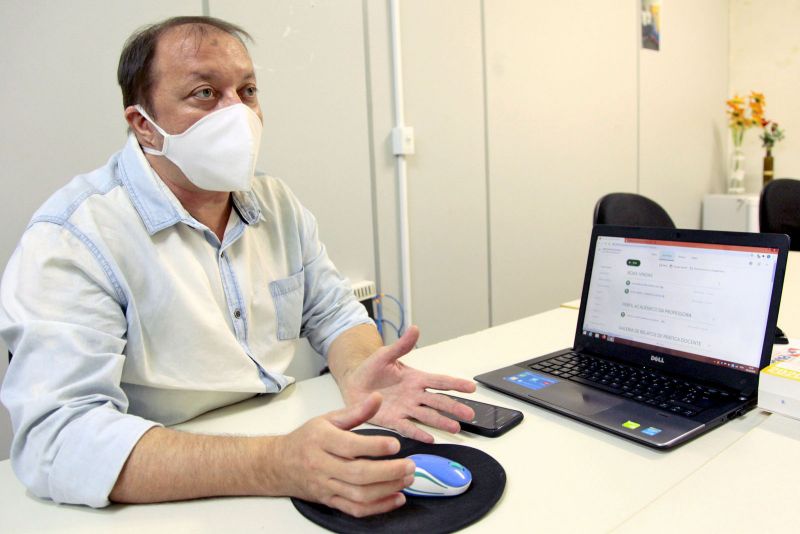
[423, 514]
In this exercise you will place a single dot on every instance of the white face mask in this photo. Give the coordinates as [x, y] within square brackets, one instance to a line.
[216, 153]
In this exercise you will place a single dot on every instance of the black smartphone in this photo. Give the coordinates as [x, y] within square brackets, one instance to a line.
[490, 420]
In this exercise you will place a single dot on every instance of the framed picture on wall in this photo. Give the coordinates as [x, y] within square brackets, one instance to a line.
[651, 24]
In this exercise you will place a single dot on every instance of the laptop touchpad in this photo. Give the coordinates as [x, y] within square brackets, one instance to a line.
[578, 399]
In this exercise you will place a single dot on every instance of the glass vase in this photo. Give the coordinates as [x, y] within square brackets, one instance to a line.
[736, 172]
[769, 167]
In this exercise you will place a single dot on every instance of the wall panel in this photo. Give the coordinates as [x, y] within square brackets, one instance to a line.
[447, 175]
[682, 109]
[441, 46]
[309, 59]
[561, 80]
[765, 57]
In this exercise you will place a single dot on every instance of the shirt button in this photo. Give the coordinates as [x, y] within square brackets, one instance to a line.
[237, 314]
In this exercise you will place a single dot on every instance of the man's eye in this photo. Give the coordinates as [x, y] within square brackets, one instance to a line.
[250, 91]
[206, 92]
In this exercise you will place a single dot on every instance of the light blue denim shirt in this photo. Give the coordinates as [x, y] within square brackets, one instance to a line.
[124, 312]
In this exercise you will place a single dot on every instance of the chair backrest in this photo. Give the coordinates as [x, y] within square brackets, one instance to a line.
[779, 209]
[630, 209]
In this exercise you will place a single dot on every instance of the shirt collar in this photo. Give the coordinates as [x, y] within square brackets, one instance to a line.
[155, 203]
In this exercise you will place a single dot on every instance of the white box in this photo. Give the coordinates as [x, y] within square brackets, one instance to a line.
[779, 388]
[736, 213]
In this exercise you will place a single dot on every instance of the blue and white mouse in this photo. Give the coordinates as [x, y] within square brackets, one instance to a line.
[436, 476]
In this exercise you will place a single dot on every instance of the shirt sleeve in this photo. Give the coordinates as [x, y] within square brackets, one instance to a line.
[62, 318]
[329, 306]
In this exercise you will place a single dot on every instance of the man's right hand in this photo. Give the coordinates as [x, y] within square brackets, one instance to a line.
[323, 461]
[320, 461]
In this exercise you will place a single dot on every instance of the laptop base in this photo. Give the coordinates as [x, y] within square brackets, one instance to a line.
[642, 423]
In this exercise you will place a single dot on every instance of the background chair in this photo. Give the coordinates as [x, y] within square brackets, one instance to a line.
[630, 209]
[779, 209]
[779, 212]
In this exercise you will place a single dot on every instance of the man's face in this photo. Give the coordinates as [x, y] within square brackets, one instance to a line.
[196, 73]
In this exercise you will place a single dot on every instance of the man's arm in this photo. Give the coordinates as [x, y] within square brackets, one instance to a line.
[320, 461]
[361, 365]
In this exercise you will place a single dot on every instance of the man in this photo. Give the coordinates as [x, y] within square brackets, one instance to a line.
[171, 282]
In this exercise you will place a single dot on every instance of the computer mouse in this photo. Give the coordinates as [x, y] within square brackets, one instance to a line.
[437, 476]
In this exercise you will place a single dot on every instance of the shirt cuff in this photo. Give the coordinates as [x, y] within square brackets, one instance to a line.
[92, 454]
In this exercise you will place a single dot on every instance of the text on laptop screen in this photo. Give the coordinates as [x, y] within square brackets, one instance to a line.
[695, 300]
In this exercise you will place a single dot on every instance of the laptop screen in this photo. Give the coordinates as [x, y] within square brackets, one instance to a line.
[700, 301]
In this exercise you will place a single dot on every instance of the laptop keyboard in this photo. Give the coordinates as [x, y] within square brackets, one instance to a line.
[638, 383]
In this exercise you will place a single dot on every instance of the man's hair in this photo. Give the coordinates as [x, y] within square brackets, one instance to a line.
[134, 73]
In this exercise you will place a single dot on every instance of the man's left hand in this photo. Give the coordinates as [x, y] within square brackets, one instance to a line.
[405, 391]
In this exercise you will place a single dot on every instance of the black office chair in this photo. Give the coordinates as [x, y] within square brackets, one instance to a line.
[779, 212]
[630, 209]
[779, 209]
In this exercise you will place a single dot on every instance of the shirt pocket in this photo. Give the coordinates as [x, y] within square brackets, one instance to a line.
[287, 295]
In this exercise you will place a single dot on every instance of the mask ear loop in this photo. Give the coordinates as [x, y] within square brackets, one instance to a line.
[158, 128]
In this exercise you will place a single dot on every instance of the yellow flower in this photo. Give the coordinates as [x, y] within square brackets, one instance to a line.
[735, 104]
[745, 113]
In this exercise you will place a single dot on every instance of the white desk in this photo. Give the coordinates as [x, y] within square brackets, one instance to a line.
[563, 476]
[749, 487]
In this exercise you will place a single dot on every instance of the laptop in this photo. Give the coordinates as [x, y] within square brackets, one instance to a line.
[674, 326]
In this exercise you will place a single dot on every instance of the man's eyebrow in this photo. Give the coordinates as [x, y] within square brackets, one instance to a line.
[207, 76]
[203, 76]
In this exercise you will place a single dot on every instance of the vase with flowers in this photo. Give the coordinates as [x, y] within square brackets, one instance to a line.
[742, 116]
[772, 134]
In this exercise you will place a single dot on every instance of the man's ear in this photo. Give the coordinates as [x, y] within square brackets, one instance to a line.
[144, 131]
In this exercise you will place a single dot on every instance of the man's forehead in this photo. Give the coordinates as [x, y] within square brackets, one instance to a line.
[183, 46]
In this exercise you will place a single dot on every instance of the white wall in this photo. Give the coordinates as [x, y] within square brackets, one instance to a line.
[765, 57]
[561, 98]
[525, 113]
[443, 86]
[682, 128]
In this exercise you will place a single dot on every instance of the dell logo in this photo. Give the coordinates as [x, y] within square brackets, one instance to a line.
[654, 358]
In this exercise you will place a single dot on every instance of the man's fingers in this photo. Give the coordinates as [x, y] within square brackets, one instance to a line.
[408, 340]
[355, 509]
[356, 414]
[401, 347]
[449, 405]
[373, 491]
[430, 417]
[446, 383]
[351, 445]
[410, 430]
[364, 472]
